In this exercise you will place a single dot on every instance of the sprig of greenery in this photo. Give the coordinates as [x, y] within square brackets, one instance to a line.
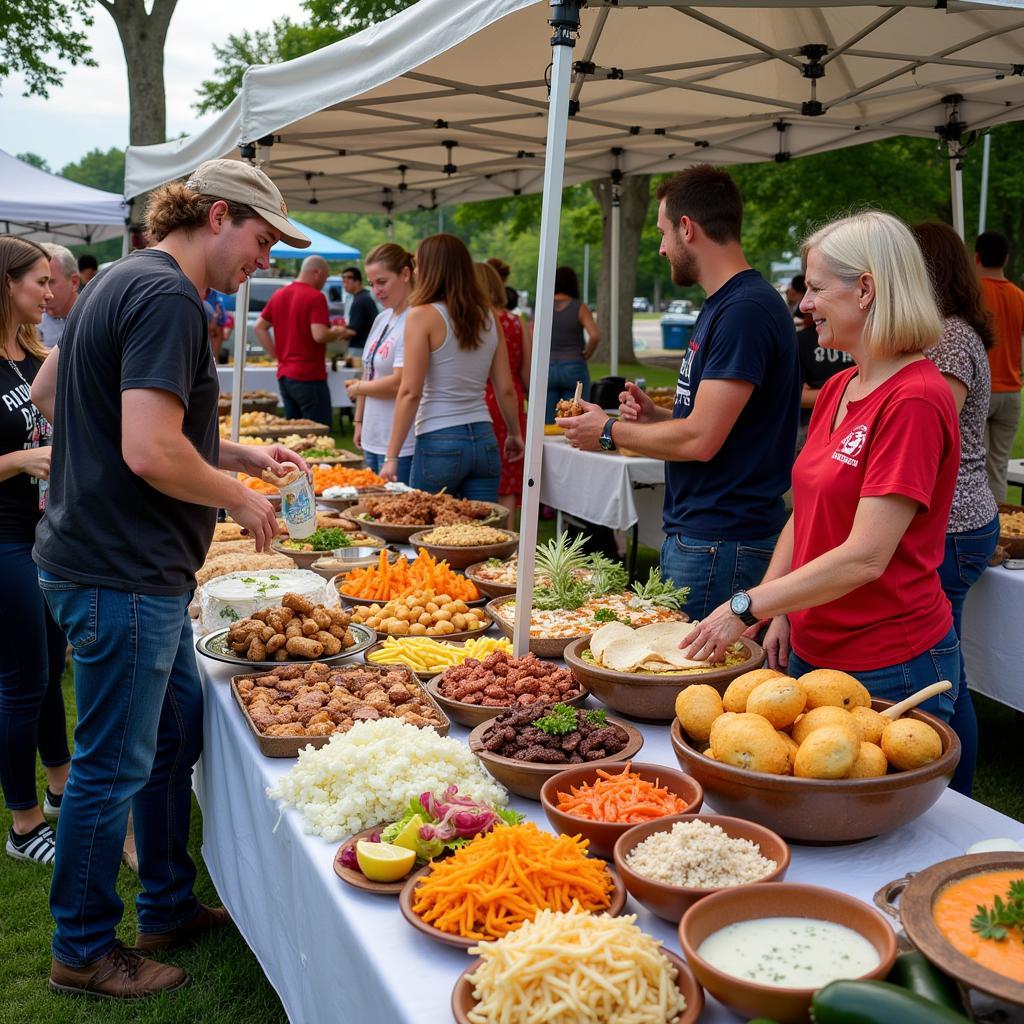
[996, 922]
[561, 560]
[558, 721]
[608, 577]
[596, 717]
[663, 593]
[606, 615]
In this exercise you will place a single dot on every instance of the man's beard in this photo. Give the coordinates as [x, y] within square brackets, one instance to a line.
[684, 268]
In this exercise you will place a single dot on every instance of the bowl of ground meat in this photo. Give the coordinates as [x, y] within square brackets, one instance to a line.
[476, 691]
[524, 746]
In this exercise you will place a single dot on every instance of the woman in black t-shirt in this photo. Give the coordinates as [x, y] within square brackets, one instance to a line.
[31, 703]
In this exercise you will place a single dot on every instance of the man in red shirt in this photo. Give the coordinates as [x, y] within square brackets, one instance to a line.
[1005, 301]
[298, 314]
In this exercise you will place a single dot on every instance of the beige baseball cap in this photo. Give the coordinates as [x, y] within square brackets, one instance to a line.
[242, 183]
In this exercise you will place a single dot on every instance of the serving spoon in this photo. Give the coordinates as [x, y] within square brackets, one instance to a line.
[917, 698]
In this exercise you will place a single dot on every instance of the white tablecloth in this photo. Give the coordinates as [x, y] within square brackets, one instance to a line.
[264, 378]
[993, 635]
[602, 487]
[334, 953]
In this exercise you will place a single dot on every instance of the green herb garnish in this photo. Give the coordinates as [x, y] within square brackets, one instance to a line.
[607, 577]
[662, 593]
[229, 613]
[495, 562]
[558, 721]
[606, 615]
[325, 539]
[562, 561]
[319, 453]
[598, 717]
[996, 922]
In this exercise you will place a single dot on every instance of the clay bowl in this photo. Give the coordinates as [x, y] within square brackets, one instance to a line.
[367, 601]
[305, 559]
[401, 533]
[618, 901]
[525, 778]
[463, 1001]
[824, 810]
[471, 715]
[783, 899]
[488, 587]
[356, 557]
[458, 556]
[917, 915]
[603, 835]
[647, 695]
[543, 647]
[355, 877]
[670, 902]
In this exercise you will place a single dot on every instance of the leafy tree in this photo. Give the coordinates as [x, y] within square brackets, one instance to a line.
[35, 160]
[104, 170]
[38, 36]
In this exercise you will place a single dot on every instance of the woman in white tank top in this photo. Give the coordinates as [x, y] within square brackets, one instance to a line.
[453, 346]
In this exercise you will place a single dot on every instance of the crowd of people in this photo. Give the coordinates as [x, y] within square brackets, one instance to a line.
[896, 362]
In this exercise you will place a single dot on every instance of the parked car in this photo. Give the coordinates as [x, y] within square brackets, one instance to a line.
[680, 306]
[641, 305]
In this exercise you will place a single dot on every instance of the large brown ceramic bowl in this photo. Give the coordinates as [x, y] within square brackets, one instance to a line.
[458, 556]
[824, 810]
[463, 1001]
[485, 586]
[618, 901]
[783, 899]
[604, 834]
[648, 695]
[471, 715]
[543, 647]
[305, 559]
[670, 902]
[401, 532]
[525, 778]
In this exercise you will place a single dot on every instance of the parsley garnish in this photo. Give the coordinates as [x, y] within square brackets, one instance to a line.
[996, 923]
[606, 615]
[229, 613]
[558, 721]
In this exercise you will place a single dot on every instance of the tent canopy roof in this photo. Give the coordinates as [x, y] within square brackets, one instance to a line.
[321, 245]
[447, 102]
[45, 207]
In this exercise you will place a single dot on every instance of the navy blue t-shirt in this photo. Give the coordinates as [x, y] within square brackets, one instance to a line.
[140, 324]
[744, 332]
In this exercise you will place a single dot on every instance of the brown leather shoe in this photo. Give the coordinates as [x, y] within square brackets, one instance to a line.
[206, 919]
[122, 974]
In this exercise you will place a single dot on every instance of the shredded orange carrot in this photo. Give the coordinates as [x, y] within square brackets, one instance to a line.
[343, 476]
[384, 582]
[620, 797]
[495, 883]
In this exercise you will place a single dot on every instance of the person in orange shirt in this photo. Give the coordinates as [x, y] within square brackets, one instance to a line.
[1005, 301]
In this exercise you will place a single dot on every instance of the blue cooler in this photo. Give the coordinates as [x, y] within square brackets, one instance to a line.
[676, 331]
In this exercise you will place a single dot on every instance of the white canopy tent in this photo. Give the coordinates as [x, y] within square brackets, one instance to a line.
[44, 207]
[448, 103]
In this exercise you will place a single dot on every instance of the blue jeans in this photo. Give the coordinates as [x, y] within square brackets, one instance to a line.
[562, 377]
[967, 556]
[898, 681]
[31, 702]
[306, 400]
[463, 460]
[374, 461]
[140, 731]
[714, 569]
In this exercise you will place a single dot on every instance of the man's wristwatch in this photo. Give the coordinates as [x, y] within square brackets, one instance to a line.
[607, 443]
[739, 605]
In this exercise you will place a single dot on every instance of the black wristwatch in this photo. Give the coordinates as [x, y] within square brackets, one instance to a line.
[607, 442]
[739, 605]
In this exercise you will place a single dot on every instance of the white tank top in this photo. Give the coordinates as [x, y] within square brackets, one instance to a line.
[453, 391]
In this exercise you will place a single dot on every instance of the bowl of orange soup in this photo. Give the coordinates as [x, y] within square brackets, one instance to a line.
[941, 914]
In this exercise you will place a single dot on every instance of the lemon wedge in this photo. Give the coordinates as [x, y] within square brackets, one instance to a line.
[410, 834]
[384, 862]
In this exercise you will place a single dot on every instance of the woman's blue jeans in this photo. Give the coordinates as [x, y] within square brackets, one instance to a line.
[463, 460]
[139, 732]
[562, 377]
[898, 681]
[31, 702]
[373, 462]
[966, 558]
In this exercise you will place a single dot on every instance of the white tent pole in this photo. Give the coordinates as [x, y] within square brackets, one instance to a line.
[241, 323]
[565, 20]
[586, 273]
[983, 208]
[956, 188]
[616, 240]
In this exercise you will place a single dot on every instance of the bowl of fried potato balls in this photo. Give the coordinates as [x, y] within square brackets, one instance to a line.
[812, 758]
[423, 613]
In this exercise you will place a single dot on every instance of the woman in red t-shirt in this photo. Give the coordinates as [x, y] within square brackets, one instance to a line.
[853, 582]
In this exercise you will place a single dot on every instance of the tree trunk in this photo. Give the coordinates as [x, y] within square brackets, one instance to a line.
[635, 193]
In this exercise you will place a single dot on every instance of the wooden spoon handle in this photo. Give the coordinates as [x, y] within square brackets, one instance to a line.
[579, 391]
[917, 698]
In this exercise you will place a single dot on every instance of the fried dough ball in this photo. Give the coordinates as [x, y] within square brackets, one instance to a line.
[910, 743]
[697, 707]
[872, 723]
[791, 747]
[779, 700]
[749, 741]
[828, 753]
[870, 763]
[718, 723]
[737, 692]
[828, 686]
[825, 715]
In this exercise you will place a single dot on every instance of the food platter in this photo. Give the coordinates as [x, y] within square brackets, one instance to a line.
[471, 715]
[465, 634]
[355, 877]
[215, 646]
[458, 557]
[485, 586]
[366, 602]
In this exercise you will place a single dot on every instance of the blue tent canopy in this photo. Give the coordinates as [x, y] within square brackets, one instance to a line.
[329, 248]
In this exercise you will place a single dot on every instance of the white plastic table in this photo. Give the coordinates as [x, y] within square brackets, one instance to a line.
[993, 635]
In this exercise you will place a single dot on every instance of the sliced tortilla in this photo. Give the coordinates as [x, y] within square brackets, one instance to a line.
[605, 635]
[674, 630]
[625, 654]
[667, 649]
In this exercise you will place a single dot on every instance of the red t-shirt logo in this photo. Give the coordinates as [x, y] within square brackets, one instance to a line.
[851, 445]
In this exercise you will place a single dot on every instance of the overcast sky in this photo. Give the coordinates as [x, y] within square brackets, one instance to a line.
[90, 109]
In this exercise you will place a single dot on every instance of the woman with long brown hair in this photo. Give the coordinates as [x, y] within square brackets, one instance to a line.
[31, 704]
[452, 348]
[974, 518]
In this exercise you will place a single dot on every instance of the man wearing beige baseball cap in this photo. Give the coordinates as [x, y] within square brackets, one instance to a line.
[135, 484]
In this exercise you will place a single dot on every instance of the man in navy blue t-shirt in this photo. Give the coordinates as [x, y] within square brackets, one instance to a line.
[728, 441]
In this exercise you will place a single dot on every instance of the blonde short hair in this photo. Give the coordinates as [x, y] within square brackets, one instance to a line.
[904, 317]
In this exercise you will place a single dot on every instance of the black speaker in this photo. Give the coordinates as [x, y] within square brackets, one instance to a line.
[605, 391]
